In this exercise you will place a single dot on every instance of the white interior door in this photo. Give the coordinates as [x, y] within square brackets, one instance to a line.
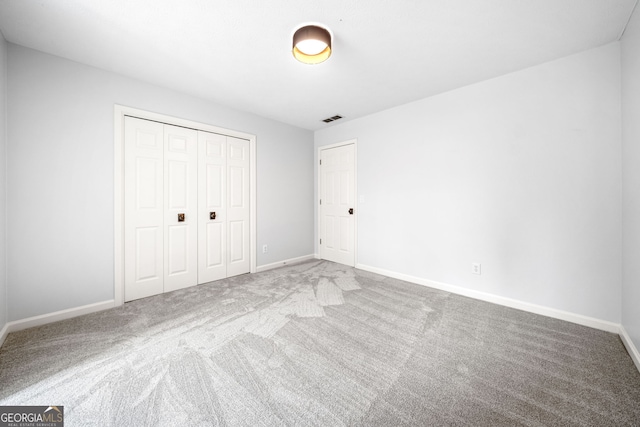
[238, 211]
[180, 214]
[212, 194]
[337, 204]
[144, 208]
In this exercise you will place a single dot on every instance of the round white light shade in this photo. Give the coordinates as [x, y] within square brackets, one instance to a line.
[312, 44]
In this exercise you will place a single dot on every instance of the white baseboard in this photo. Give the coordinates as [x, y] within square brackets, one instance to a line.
[30, 322]
[631, 348]
[3, 333]
[43, 319]
[496, 299]
[273, 265]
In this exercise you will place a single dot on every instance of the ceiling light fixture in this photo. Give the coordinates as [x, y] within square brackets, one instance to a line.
[312, 44]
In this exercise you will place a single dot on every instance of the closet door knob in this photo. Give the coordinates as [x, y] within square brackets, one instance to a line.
[212, 215]
[180, 217]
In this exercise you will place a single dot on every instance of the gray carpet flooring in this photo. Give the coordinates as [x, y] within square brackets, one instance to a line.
[320, 344]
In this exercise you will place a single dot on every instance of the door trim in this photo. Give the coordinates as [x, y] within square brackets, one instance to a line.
[353, 142]
[120, 112]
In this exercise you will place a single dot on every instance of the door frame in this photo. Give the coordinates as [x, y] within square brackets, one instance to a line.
[120, 112]
[353, 142]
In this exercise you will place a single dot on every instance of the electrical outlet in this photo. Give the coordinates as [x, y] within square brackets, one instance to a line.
[476, 268]
[265, 249]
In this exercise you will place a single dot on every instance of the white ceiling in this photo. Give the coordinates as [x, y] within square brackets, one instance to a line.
[386, 53]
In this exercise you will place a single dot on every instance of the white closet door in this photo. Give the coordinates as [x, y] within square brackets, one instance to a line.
[143, 206]
[180, 213]
[187, 215]
[337, 188]
[238, 212]
[212, 193]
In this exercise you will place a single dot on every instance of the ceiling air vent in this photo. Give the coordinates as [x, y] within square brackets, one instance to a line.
[332, 119]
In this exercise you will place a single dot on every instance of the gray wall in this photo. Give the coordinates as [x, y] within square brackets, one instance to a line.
[631, 179]
[520, 173]
[3, 182]
[60, 178]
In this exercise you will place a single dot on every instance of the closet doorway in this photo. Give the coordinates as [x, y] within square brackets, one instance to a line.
[184, 203]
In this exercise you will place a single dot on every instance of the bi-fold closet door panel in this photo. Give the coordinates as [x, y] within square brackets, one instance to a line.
[223, 209]
[238, 212]
[212, 193]
[144, 208]
[181, 208]
[160, 202]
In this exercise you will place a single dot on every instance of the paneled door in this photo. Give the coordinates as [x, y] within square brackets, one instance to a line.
[187, 207]
[181, 204]
[212, 218]
[160, 204]
[144, 208]
[337, 204]
[223, 207]
[238, 212]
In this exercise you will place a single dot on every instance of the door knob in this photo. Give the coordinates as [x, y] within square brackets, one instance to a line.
[180, 217]
[351, 211]
[212, 215]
